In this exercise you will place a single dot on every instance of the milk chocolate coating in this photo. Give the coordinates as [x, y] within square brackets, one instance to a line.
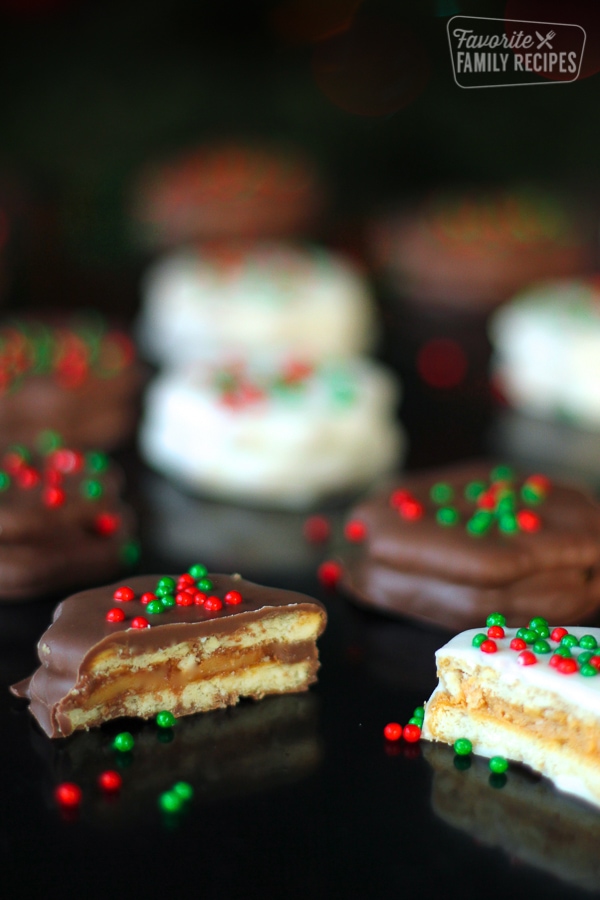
[76, 377]
[445, 576]
[227, 192]
[101, 412]
[79, 631]
[45, 549]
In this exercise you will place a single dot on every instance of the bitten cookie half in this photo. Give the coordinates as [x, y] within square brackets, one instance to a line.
[186, 644]
[525, 697]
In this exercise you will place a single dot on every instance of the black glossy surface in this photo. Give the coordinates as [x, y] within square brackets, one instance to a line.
[294, 796]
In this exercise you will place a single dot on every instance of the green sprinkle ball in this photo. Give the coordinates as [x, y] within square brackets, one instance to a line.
[4, 481]
[498, 765]
[441, 492]
[130, 553]
[588, 642]
[48, 441]
[508, 524]
[538, 623]
[205, 584]
[198, 571]
[463, 747]
[502, 473]
[585, 657]
[527, 635]
[170, 802]
[155, 607]
[415, 720]
[531, 495]
[419, 712]
[165, 585]
[447, 515]
[588, 670]
[91, 489]
[184, 791]
[541, 646]
[479, 523]
[479, 639]
[495, 619]
[167, 601]
[96, 462]
[563, 651]
[569, 641]
[123, 742]
[165, 719]
[474, 490]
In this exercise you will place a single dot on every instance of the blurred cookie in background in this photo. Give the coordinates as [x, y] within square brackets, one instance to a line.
[63, 523]
[267, 297]
[276, 433]
[226, 191]
[77, 376]
[446, 262]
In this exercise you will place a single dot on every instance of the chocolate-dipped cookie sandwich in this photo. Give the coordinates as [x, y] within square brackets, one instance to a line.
[185, 644]
[450, 546]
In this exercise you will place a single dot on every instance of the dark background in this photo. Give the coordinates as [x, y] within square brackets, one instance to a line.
[88, 93]
[91, 91]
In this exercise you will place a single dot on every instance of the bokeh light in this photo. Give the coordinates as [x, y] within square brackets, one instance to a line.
[442, 363]
[375, 68]
[307, 21]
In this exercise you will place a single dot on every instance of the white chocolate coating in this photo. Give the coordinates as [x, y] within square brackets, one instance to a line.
[547, 343]
[507, 709]
[272, 442]
[266, 297]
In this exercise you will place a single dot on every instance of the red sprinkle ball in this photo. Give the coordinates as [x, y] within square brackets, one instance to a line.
[53, 497]
[68, 795]
[518, 644]
[488, 646]
[329, 573]
[412, 733]
[392, 731]
[496, 631]
[528, 520]
[526, 658]
[140, 622]
[147, 597]
[567, 665]
[355, 531]
[233, 598]
[199, 598]
[123, 594]
[316, 529]
[213, 604]
[106, 524]
[184, 599]
[558, 634]
[115, 615]
[110, 781]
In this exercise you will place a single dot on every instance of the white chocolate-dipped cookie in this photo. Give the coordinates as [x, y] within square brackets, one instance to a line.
[547, 351]
[532, 696]
[280, 435]
[202, 302]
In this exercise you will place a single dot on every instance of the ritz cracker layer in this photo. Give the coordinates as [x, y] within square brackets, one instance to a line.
[186, 644]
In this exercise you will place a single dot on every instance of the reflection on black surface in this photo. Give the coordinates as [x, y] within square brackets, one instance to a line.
[527, 818]
[227, 537]
[225, 753]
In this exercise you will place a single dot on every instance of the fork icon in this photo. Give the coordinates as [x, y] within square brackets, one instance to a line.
[545, 41]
